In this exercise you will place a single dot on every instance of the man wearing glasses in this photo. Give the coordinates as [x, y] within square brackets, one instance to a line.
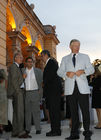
[33, 84]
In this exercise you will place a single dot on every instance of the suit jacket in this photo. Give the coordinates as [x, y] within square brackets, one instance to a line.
[15, 80]
[82, 63]
[96, 84]
[51, 81]
[39, 79]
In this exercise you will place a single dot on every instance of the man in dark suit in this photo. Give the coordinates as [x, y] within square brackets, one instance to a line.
[15, 91]
[52, 92]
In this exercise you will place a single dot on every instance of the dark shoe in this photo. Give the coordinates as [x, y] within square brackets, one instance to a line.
[38, 131]
[72, 138]
[14, 135]
[25, 136]
[56, 134]
[87, 135]
[96, 127]
[87, 138]
[43, 120]
[1, 131]
[8, 128]
[27, 132]
[51, 134]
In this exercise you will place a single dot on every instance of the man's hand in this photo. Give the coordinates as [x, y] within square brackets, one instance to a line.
[70, 74]
[24, 76]
[79, 72]
[62, 95]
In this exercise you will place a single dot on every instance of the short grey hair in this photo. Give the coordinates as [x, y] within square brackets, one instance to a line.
[16, 54]
[46, 52]
[74, 40]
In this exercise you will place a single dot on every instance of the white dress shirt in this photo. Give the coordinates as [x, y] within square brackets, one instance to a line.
[75, 55]
[30, 81]
[47, 60]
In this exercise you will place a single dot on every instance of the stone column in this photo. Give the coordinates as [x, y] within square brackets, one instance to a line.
[32, 51]
[50, 40]
[16, 37]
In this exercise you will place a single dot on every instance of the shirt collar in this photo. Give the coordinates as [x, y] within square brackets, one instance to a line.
[16, 64]
[29, 69]
[75, 54]
[47, 60]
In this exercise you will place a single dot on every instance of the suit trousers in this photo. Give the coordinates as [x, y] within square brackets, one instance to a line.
[83, 101]
[32, 109]
[54, 112]
[18, 113]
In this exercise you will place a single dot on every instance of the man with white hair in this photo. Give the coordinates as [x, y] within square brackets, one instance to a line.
[15, 91]
[74, 68]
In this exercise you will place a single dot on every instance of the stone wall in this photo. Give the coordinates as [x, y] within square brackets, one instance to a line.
[50, 45]
[54, 49]
[3, 5]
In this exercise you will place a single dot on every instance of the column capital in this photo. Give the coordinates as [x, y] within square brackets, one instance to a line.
[16, 34]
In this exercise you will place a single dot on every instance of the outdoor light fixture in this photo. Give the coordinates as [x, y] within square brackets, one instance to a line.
[13, 29]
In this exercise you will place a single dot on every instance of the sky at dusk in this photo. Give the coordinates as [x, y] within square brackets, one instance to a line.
[80, 19]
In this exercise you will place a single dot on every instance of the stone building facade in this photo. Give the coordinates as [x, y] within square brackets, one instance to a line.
[21, 30]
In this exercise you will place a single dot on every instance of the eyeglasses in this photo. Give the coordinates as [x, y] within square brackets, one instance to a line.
[29, 62]
[20, 57]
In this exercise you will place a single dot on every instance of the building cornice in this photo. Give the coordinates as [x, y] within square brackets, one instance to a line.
[50, 33]
[53, 37]
[30, 14]
[34, 20]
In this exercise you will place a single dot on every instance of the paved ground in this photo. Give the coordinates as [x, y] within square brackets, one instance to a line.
[46, 128]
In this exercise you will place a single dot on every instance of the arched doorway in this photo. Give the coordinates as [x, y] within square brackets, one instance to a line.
[31, 50]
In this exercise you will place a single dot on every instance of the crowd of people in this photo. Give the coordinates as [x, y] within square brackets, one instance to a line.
[27, 86]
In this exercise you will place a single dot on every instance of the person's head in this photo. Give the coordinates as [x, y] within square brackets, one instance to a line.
[75, 45]
[18, 58]
[97, 70]
[29, 62]
[45, 55]
[2, 75]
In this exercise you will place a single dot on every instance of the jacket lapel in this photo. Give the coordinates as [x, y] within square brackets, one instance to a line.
[70, 61]
[36, 74]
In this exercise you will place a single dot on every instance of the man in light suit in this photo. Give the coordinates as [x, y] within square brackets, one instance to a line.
[74, 68]
[34, 91]
[15, 91]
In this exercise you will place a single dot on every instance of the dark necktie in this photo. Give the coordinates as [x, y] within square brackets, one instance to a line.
[74, 59]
